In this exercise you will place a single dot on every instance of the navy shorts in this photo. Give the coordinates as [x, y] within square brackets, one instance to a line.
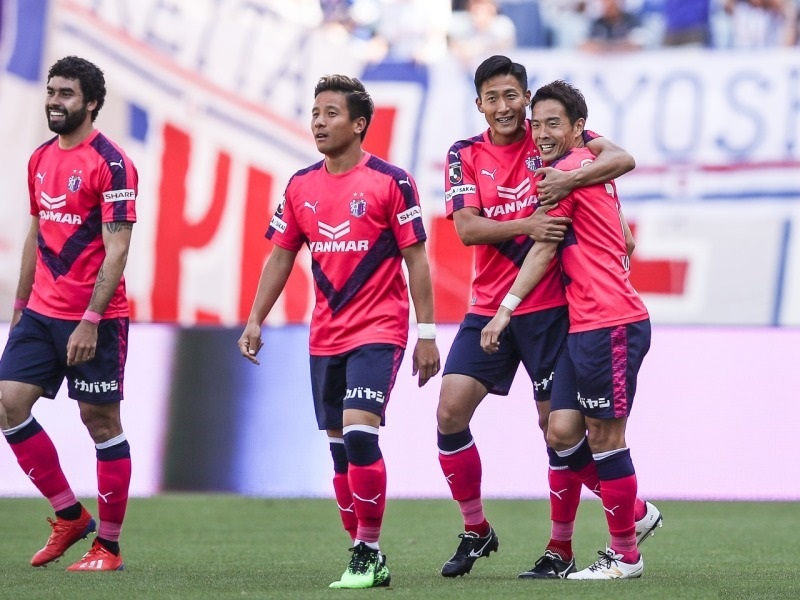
[596, 374]
[534, 339]
[361, 379]
[36, 353]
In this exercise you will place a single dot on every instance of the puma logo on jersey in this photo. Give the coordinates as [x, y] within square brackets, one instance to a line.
[117, 163]
[40, 176]
[404, 181]
[313, 207]
[488, 173]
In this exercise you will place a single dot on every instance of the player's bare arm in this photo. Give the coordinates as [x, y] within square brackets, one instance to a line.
[630, 243]
[82, 343]
[274, 276]
[27, 269]
[611, 162]
[530, 273]
[425, 361]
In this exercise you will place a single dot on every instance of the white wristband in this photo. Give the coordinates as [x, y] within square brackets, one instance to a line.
[511, 302]
[426, 331]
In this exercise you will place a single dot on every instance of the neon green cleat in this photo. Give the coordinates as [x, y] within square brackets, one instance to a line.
[367, 569]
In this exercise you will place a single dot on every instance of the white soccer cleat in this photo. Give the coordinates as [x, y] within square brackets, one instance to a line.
[648, 524]
[610, 566]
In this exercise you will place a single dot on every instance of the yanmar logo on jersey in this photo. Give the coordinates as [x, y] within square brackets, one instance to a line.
[519, 200]
[51, 212]
[458, 190]
[119, 195]
[409, 215]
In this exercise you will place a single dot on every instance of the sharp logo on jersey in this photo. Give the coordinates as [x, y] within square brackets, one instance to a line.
[119, 195]
[590, 403]
[53, 203]
[74, 182]
[343, 246]
[364, 393]
[95, 387]
[458, 190]
[454, 172]
[488, 173]
[358, 207]
[334, 232]
[277, 224]
[533, 163]
[409, 215]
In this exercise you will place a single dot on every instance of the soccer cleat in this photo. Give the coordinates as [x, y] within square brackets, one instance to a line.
[610, 566]
[65, 533]
[98, 558]
[550, 566]
[367, 569]
[471, 548]
[647, 525]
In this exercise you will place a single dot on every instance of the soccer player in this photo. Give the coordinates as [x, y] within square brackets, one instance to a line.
[71, 313]
[609, 335]
[491, 195]
[360, 218]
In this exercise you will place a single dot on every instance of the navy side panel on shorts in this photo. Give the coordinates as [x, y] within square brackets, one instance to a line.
[606, 363]
[362, 379]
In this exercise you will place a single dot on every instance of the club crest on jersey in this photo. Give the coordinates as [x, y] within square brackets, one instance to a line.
[454, 173]
[533, 163]
[74, 182]
[358, 207]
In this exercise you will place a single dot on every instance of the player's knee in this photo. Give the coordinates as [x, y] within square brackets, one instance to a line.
[606, 438]
[361, 445]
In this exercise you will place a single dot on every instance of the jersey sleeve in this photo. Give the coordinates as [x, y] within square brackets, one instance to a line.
[459, 183]
[119, 187]
[406, 213]
[283, 228]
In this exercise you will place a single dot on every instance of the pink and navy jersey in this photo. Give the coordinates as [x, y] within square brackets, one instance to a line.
[73, 192]
[498, 182]
[593, 256]
[355, 224]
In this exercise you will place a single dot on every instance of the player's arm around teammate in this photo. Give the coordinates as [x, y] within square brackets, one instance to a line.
[611, 162]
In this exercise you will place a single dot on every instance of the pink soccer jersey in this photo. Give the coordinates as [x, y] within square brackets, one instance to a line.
[73, 192]
[498, 181]
[593, 255]
[355, 225]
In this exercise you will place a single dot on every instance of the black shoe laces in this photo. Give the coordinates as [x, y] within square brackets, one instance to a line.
[605, 560]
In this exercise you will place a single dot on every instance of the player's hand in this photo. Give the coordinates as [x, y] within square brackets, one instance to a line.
[250, 342]
[554, 186]
[82, 344]
[490, 335]
[544, 228]
[425, 361]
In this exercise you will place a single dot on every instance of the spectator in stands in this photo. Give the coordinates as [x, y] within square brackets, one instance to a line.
[480, 31]
[762, 23]
[686, 22]
[567, 22]
[527, 18]
[615, 30]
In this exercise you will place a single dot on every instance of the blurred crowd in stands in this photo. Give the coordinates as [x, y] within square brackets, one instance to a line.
[422, 31]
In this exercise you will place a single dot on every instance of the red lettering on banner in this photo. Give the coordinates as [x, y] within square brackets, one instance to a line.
[173, 232]
[451, 270]
[379, 135]
[658, 276]
[256, 249]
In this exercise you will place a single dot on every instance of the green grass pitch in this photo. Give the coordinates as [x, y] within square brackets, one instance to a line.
[218, 546]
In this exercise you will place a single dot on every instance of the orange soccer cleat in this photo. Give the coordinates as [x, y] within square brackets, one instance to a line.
[99, 558]
[65, 533]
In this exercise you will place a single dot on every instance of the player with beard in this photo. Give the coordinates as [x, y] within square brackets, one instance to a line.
[71, 313]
